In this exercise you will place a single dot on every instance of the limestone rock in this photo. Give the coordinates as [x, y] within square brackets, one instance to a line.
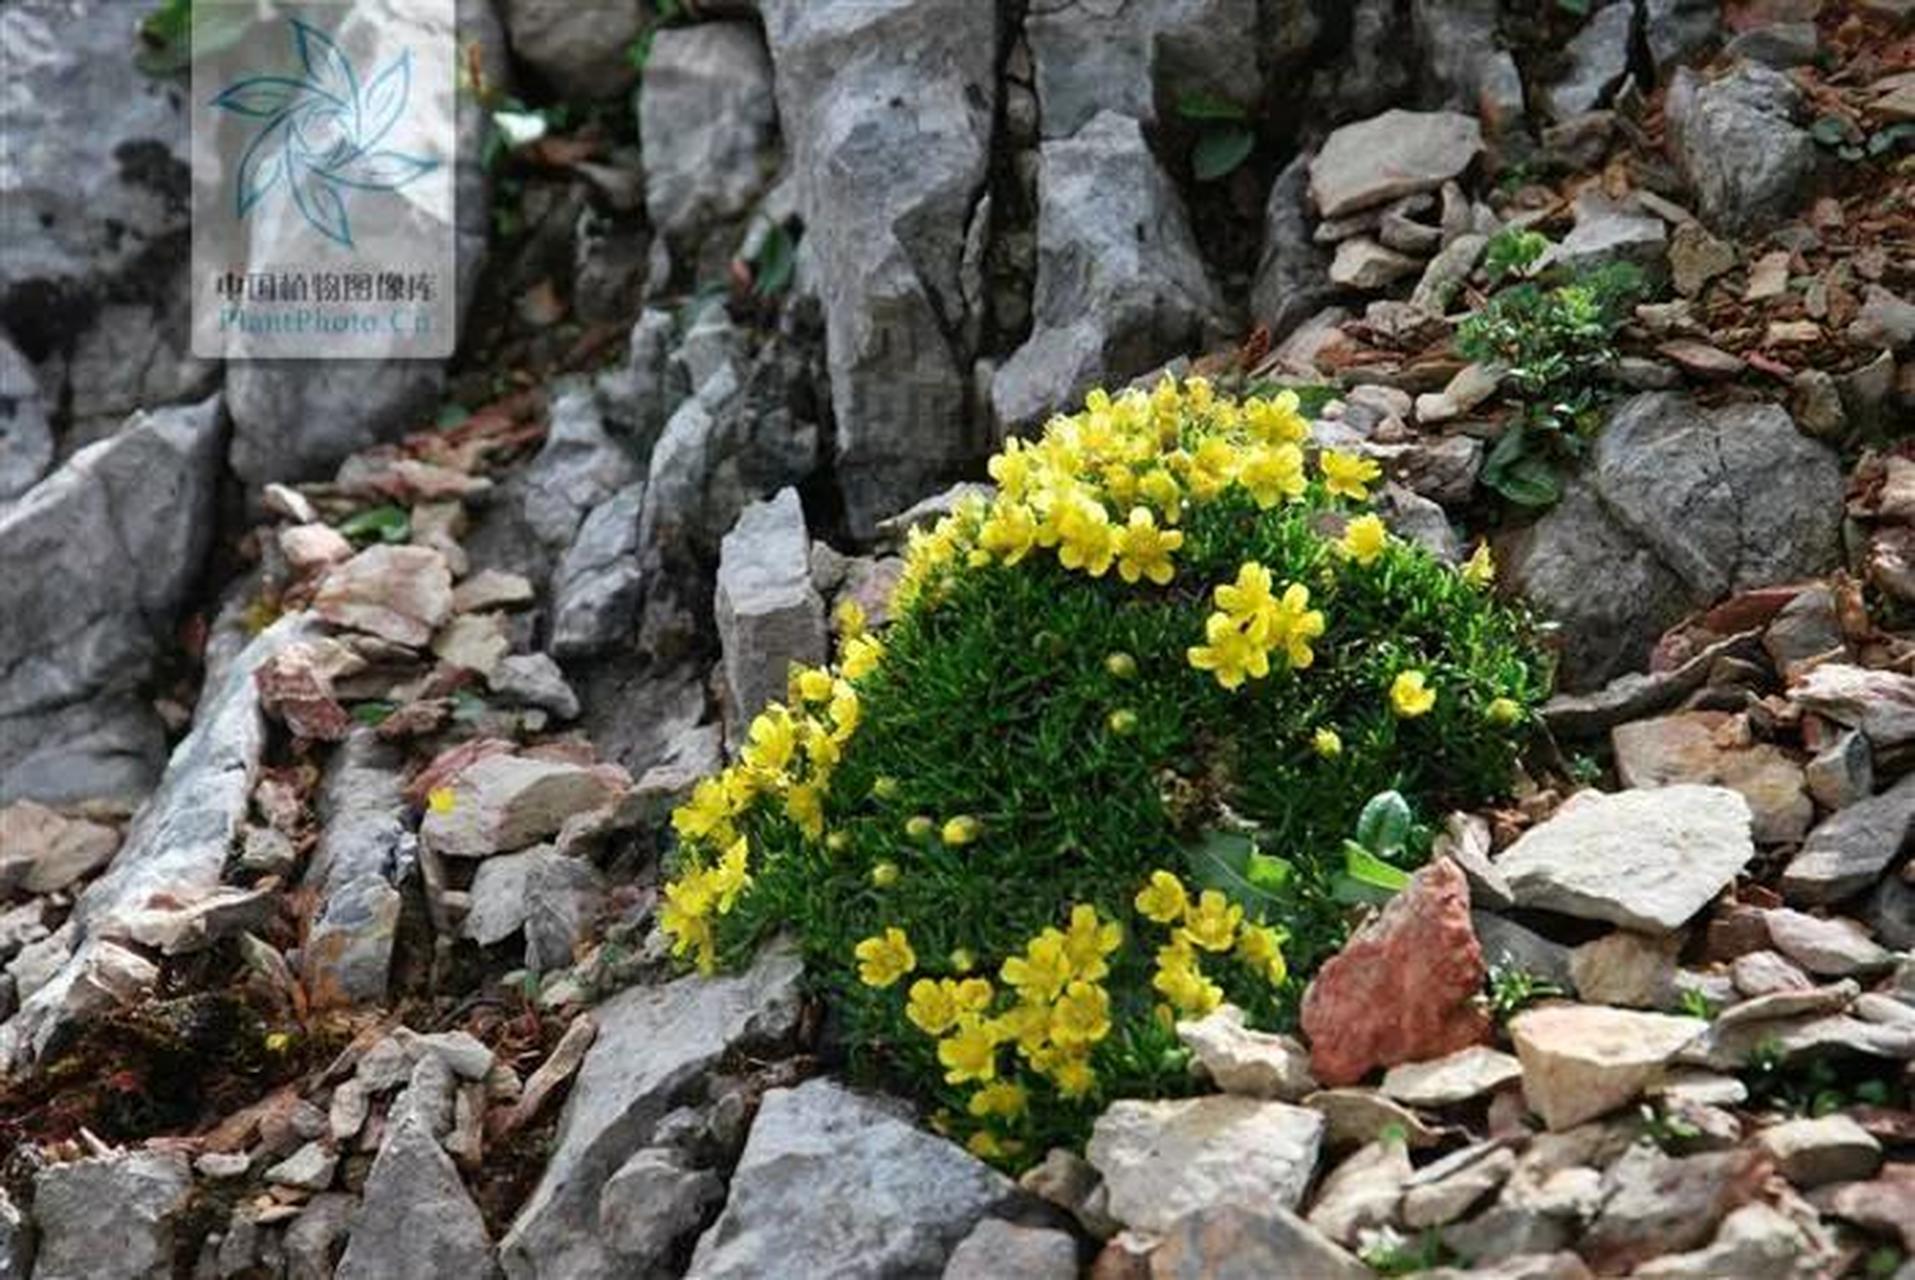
[1265, 1240]
[1830, 947]
[1127, 58]
[707, 123]
[1398, 153]
[769, 615]
[1853, 848]
[1162, 1160]
[1737, 142]
[1645, 860]
[1831, 1148]
[999, 1250]
[1701, 747]
[400, 594]
[1582, 1061]
[416, 1219]
[42, 851]
[802, 1198]
[1457, 1077]
[504, 802]
[110, 1217]
[1256, 1064]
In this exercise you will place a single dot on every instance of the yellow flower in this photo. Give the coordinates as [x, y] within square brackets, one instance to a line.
[810, 684]
[805, 805]
[1479, 570]
[1276, 421]
[844, 711]
[1074, 1077]
[985, 1145]
[1327, 743]
[970, 1054]
[1161, 490]
[772, 739]
[1273, 474]
[1163, 899]
[961, 830]
[1248, 599]
[1364, 539]
[440, 800]
[1041, 972]
[1261, 947]
[1009, 533]
[884, 874]
[1005, 1099]
[1503, 712]
[729, 878]
[971, 995]
[932, 1006]
[849, 618]
[1180, 981]
[963, 960]
[1211, 468]
[1295, 625]
[1229, 653]
[1410, 695]
[1348, 475]
[860, 656]
[918, 826]
[1088, 941]
[706, 815]
[1013, 469]
[1211, 922]
[1028, 1023]
[1086, 538]
[686, 917]
[884, 958]
[1143, 550]
[1081, 1016]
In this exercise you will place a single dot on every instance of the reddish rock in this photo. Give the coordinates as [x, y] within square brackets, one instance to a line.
[296, 685]
[1403, 989]
[1885, 1205]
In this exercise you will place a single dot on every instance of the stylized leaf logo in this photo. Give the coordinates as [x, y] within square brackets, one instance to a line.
[320, 133]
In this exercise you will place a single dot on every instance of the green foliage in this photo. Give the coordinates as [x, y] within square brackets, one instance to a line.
[1513, 988]
[1818, 1086]
[1696, 1005]
[1389, 1253]
[378, 524]
[772, 266]
[1224, 137]
[1555, 345]
[1036, 747]
[1666, 1129]
[1513, 251]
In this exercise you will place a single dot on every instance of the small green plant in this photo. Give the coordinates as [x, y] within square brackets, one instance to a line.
[1101, 771]
[1818, 1086]
[1513, 988]
[1666, 1129]
[1695, 1004]
[1513, 251]
[1224, 136]
[1389, 1252]
[1555, 346]
[1883, 1262]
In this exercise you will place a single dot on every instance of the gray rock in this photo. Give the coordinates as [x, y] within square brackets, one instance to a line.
[400, 594]
[110, 1217]
[534, 680]
[1456, 1077]
[999, 1250]
[1363, 264]
[1879, 703]
[1121, 286]
[1256, 1064]
[579, 49]
[1445, 1190]
[1736, 141]
[1092, 56]
[42, 851]
[1447, 272]
[1852, 849]
[26, 441]
[1293, 270]
[415, 1221]
[502, 802]
[1763, 973]
[1597, 59]
[1461, 54]
[94, 564]
[1834, 947]
[1656, 526]
[1885, 320]
[1831, 1148]
[707, 123]
[16, 1241]
[1645, 860]
[887, 197]
[1608, 233]
[1755, 1242]
[653, 1202]
[1162, 1160]
[536, 514]
[1890, 913]
[1777, 44]
[769, 615]
[652, 1043]
[563, 899]
[1362, 1194]
[1264, 1240]
[599, 583]
[1398, 153]
[815, 1156]
[176, 847]
[308, 1169]
[1656, 1204]
[313, 1240]
[1677, 30]
[1507, 943]
[348, 951]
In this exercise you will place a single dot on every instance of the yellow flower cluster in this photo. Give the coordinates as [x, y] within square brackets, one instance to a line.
[1106, 487]
[1209, 922]
[1251, 623]
[788, 756]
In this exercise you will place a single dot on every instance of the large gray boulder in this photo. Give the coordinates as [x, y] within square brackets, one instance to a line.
[1737, 142]
[833, 1183]
[1395, 154]
[1293, 271]
[1121, 285]
[769, 615]
[581, 49]
[175, 849]
[1131, 55]
[708, 124]
[652, 1043]
[887, 108]
[416, 1221]
[298, 419]
[598, 586]
[110, 1217]
[1595, 59]
[95, 562]
[1461, 56]
[1679, 506]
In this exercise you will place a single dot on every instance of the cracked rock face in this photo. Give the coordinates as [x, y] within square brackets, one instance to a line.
[1682, 505]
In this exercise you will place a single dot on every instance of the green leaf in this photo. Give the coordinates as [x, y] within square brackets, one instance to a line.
[1578, 7]
[1366, 877]
[1830, 131]
[451, 415]
[1201, 105]
[776, 260]
[1384, 825]
[372, 714]
[1228, 861]
[1898, 135]
[1521, 474]
[381, 524]
[1220, 151]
